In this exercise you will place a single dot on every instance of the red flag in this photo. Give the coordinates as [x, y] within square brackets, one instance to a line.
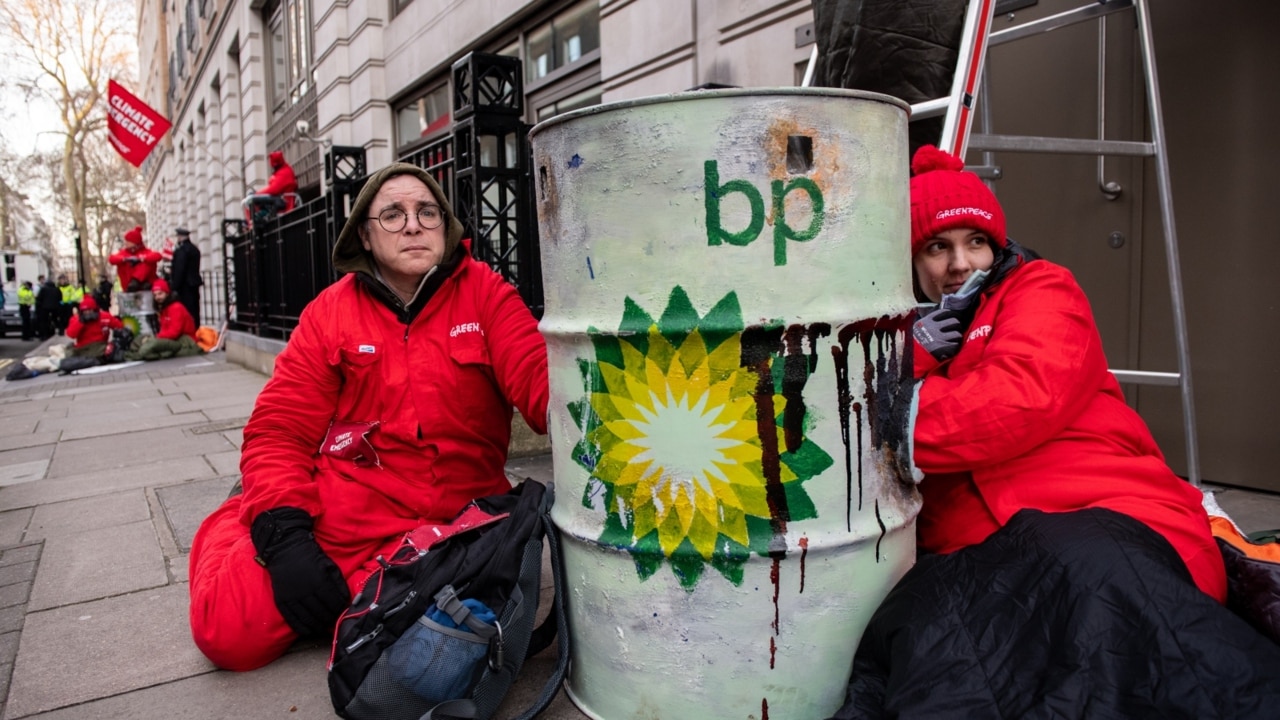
[133, 126]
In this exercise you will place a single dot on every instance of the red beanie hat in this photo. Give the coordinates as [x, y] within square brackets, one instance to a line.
[159, 284]
[134, 236]
[276, 159]
[88, 303]
[944, 197]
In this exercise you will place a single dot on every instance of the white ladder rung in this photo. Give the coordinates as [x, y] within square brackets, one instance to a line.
[1145, 377]
[1062, 19]
[1069, 146]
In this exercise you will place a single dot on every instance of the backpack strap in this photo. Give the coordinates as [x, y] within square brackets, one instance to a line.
[552, 686]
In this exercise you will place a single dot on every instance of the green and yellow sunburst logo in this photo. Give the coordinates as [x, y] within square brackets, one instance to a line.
[672, 424]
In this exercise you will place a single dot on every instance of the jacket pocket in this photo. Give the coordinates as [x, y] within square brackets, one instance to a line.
[362, 380]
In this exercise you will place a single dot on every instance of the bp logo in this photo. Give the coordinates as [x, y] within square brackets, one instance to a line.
[693, 434]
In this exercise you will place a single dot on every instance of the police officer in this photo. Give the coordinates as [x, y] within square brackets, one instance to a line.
[26, 306]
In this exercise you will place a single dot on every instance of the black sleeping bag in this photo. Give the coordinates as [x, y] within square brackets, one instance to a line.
[1088, 614]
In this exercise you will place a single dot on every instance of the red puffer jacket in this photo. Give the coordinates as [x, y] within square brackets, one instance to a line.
[87, 333]
[1027, 415]
[143, 270]
[175, 321]
[441, 390]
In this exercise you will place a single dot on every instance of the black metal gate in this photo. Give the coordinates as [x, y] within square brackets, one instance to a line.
[275, 267]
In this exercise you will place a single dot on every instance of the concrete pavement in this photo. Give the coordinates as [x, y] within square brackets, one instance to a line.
[103, 481]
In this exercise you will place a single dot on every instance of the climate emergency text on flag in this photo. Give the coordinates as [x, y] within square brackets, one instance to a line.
[133, 126]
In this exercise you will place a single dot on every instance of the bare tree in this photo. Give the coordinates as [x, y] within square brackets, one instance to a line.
[113, 202]
[64, 51]
[21, 227]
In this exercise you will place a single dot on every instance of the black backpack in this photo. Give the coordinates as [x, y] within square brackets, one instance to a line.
[443, 628]
[118, 343]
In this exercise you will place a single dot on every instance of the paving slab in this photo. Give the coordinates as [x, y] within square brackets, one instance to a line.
[234, 412]
[235, 437]
[22, 472]
[132, 425]
[187, 505]
[26, 454]
[118, 387]
[18, 425]
[13, 523]
[95, 482]
[93, 650]
[114, 414]
[179, 568]
[98, 563]
[72, 517]
[18, 442]
[225, 463]
[242, 399]
[291, 688]
[112, 453]
[195, 383]
[25, 408]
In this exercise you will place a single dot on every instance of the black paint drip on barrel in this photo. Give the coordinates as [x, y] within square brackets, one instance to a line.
[886, 397]
[796, 346]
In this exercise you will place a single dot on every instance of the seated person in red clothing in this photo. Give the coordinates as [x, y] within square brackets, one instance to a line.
[176, 336]
[135, 263]
[88, 327]
[1065, 568]
[403, 374]
[279, 194]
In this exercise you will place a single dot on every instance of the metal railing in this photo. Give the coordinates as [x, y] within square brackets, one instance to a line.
[276, 265]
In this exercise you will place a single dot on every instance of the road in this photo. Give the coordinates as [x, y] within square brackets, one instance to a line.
[12, 348]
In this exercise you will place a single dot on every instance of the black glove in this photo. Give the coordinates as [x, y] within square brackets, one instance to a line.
[133, 260]
[310, 591]
[938, 332]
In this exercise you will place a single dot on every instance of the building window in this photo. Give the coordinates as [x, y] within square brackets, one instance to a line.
[563, 40]
[426, 115]
[289, 37]
[587, 98]
[398, 6]
[193, 35]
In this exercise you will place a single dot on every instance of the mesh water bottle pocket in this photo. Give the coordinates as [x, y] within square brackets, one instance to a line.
[437, 663]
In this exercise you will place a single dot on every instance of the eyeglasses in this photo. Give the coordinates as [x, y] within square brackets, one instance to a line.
[395, 219]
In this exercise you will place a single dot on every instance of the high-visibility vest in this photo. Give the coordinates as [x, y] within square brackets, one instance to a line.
[26, 297]
[72, 295]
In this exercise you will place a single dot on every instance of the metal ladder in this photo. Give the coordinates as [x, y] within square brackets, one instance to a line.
[959, 108]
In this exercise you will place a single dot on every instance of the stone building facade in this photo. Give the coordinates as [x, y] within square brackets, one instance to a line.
[241, 78]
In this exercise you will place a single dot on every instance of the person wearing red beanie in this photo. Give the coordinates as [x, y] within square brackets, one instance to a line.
[88, 328]
[176, 335]
[1026, 366]
[1058, 550]
[283, 183]
[135, 263]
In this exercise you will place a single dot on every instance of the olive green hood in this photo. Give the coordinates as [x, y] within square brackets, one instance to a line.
[349, 254]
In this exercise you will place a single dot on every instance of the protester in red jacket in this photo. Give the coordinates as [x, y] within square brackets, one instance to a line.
[175, 320]
[88, 327]
[283, 182]
[135, 264]
[1017, 408]
[403, 374]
